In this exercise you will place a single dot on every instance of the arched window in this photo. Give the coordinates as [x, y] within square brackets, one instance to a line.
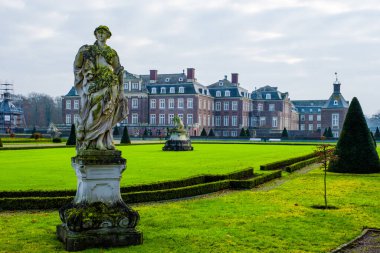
[218, 93]
[172, 90]
[227, 93]
[163, 90]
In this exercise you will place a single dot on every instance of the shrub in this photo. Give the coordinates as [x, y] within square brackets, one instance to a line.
[36, 136]
[284, 133]
[325, 133]
[204, 133]
[125, 137]
[286, 162]
[211, 133]
[377, 133]
[329, 133]
[300, 165]
[72, 140]
[355, 148]
[253, 182]
[57, 140]
[247, 133]
[1, 143]
[116, 131]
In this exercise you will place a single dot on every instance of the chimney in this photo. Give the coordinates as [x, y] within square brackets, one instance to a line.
[153, 76]
[235, 78]
[190, 74]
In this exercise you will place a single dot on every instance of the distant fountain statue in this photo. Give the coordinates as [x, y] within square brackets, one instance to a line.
[53, 131]
[179, 139]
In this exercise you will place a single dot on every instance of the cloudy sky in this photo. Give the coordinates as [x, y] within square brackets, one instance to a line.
[296, 45]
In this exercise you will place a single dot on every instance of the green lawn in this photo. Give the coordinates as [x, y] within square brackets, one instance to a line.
[277, 220]
[50, 169]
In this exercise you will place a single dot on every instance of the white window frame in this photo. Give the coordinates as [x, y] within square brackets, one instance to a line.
[152, 119]
[274, 121]
[181, 89]
[226, 106]
[180, 103]
[218, 93]
[335, 120]
[217, 120]
[135, 86]
[227, 93]
[268, 96]
[311, 117]
[154, 90]
[226, 120]
[172, 90]
[260, 107]
[234, 105]
[162, 103]
[135, 118]
[311, 127]
[153, 104]
[161, 119]
[163, 90]
[234, 120]
[189, 119]
[318, 117]
[135, 103]
[171, 103]
[189, 103]
[76, 104]
[68, 119]
[271, 107]
[68, 104]
[218, 106]
[170, 119]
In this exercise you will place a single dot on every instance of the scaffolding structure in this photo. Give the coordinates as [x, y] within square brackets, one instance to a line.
[11, 117]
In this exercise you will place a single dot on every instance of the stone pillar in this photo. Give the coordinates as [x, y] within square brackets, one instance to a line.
[98, 216]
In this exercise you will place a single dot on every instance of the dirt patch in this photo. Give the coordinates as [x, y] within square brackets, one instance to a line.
[367, 242]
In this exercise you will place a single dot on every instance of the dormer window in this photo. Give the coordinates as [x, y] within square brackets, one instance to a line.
[172, 90]
[218, 93]
[154, 90]
[181, 90]
[180, 79]
[259, 96]
[167, 79]
[227, 93]
[163, 90]
[335, 102]
[268, 96]
[311, 110]
[220, 83]
[135, 86]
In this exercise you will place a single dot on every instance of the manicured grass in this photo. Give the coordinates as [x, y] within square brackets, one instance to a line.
[279, 220]
[50, 169]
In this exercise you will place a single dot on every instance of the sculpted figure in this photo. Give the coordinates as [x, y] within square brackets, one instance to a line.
[99, 83]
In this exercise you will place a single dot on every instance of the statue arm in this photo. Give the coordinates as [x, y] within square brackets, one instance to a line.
[78, 74]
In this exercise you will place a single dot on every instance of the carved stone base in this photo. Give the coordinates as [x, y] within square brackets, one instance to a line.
[104, 237]
[177, 145]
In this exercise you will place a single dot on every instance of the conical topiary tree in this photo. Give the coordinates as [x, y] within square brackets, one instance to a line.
[242, 132]
[211, 133]
[377, 133]
[325, 133]
[373, 138]
[72, 140]
[355, 150]
[204, 133]
[125, 137]
[1, 143]
[284, 133]
[116, 131]
[329, 133]
[247, 133]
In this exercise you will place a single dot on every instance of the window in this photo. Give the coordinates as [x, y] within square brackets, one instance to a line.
[161, 119]
[271, 107]
[170, 119]
[135, 118]
[234, 133]
[153, 104]
[302, 117]
[204, 120]
[163, 90]
[234, 121]
[208, 120]
[135, 86]
[200, 103]
[310, 127]
[135, 103]
[181, 90]
[76, 104]
[76, 118]
[218, 93]
[336, 134]
[209, 105]
[225, 133]
[227, 93]
[310, 110]
[153, 119]
[335, 119]
[319, 110]
[126, 86]
[274, 121]
[204, 104]
[189, 103]
[218, 106]
[154, 90]
[226, 106]
[234, 106]
[162, 103]
[302, 127]
[217, 120]
[180, 80]
[260, 107]
[167, 79]
[171, 103]
[172, 90]
[212, 120]
[226, 121]
[262, 121]
[68, 104]
[220, 83]
[319, 126]
[335, 102]
[189, 119]
[311, 118]
[268, 96]
[180, 103]
[180, 115]
[68, 119]
[318, 117]
[199, 119]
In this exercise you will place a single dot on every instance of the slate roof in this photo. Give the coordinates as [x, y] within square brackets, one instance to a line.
[223, 85]
[274, 93]
[72, 93]
[6, 106]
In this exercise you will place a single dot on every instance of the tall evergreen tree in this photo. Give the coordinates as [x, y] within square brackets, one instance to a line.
[145, 134]
[325, 133]
[242, 132]
[211, 133]
[1, 143]
[373, 138]
[284, 133]
[355, 150]
[72, 140]
[204, 133]
[125, 137]
[247, 133]
[377, 133]
[329, 133]
[116, 131]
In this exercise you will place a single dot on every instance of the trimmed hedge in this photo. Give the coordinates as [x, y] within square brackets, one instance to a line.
[253, 182]
[26, 203]
[283, 163]
[300, 165]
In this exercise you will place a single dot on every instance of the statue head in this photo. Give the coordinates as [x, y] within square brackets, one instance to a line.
[104, 29]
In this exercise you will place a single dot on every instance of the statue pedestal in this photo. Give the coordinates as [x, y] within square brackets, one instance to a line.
[178, 141]
[98, 217]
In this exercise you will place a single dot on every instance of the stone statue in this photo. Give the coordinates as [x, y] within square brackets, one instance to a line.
[54, 131]
[99, 83]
